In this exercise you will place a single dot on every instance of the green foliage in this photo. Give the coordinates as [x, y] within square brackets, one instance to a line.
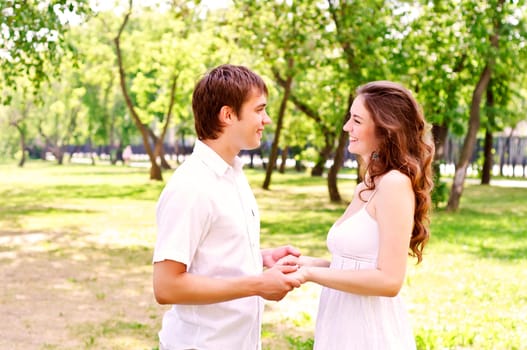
[298, 343]
[293, 42]
[436, 48]
[33, 37]
[309, 154]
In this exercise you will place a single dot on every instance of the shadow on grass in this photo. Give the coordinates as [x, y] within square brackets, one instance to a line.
[486, 226]
[31, 210]
[17, 215]
[97, 296]
[117, 170]
[289, 179]
[146, 192]
[62, 193]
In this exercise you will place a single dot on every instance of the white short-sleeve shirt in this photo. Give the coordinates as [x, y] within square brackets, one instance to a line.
[208, 219]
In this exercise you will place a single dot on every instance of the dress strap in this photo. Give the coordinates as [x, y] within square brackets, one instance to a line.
[373, 194]
[369, 199]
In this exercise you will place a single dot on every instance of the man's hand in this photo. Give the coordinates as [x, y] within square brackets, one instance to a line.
[277, 281]
[271, 256]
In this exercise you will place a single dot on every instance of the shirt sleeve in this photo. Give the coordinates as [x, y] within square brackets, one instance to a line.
[183, 219]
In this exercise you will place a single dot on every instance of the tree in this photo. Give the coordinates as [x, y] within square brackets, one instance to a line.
[107, 124]
[279, 32]
[18, 117]
[60, 115]
[495, 20]
[33, 34]
[144, 90]
[434, 59]
[447, 44]
[364, 33]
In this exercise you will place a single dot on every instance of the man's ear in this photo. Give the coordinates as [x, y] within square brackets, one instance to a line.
[226, 115]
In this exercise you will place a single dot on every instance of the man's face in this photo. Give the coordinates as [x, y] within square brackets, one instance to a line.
[251, 120]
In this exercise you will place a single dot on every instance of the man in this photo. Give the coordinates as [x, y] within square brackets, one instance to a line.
[207, 259]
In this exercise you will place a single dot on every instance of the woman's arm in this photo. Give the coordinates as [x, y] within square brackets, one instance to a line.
[393, 208]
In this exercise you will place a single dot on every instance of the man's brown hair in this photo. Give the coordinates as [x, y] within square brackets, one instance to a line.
[225, 85]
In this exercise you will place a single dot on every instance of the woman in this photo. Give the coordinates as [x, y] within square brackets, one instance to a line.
[386, 220]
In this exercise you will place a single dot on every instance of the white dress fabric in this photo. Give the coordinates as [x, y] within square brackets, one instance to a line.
[349, 321]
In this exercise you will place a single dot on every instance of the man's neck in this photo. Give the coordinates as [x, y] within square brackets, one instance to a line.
[224, 149]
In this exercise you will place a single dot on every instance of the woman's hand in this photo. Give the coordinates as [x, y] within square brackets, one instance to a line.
[303, 261]
[272, 256]
[300, 275]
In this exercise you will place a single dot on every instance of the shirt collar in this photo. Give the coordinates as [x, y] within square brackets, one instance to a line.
[213, 159]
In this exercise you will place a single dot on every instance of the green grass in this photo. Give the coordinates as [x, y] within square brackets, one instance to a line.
[76, 244]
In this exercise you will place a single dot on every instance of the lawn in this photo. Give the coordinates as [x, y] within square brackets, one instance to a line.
[76, 244]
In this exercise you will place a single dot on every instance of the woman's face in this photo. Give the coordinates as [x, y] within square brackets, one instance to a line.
[361, 129]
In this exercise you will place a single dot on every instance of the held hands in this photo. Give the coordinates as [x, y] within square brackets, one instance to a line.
[300, 262]
[287, 269]
[283, 274]
[277, 281]
[303, 261]
[305, 266]
[272, 255]
[291, 260]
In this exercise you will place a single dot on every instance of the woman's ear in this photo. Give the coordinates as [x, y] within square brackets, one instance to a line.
[226, 115]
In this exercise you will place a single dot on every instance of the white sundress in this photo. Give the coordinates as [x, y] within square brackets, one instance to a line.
[349, 321]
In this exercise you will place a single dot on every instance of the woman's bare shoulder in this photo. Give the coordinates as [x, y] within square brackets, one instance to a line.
[395, 179]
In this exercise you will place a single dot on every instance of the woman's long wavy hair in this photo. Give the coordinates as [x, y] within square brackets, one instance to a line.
[405, 145]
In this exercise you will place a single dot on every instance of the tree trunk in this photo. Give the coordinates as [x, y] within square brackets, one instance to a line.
[111, 127]
[440, 133]
[279, 123]
[22, 160]
[487, 160]
[323, 156]
[488, 145]
[159, 149]
[469, 142]
[285, 151]
[474, 122]
[59, 154]
[333, 190]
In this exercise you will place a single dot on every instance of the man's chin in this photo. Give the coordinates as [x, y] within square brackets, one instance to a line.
[253, 146]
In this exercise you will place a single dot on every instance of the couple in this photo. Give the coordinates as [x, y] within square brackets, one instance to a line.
[207, 260]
